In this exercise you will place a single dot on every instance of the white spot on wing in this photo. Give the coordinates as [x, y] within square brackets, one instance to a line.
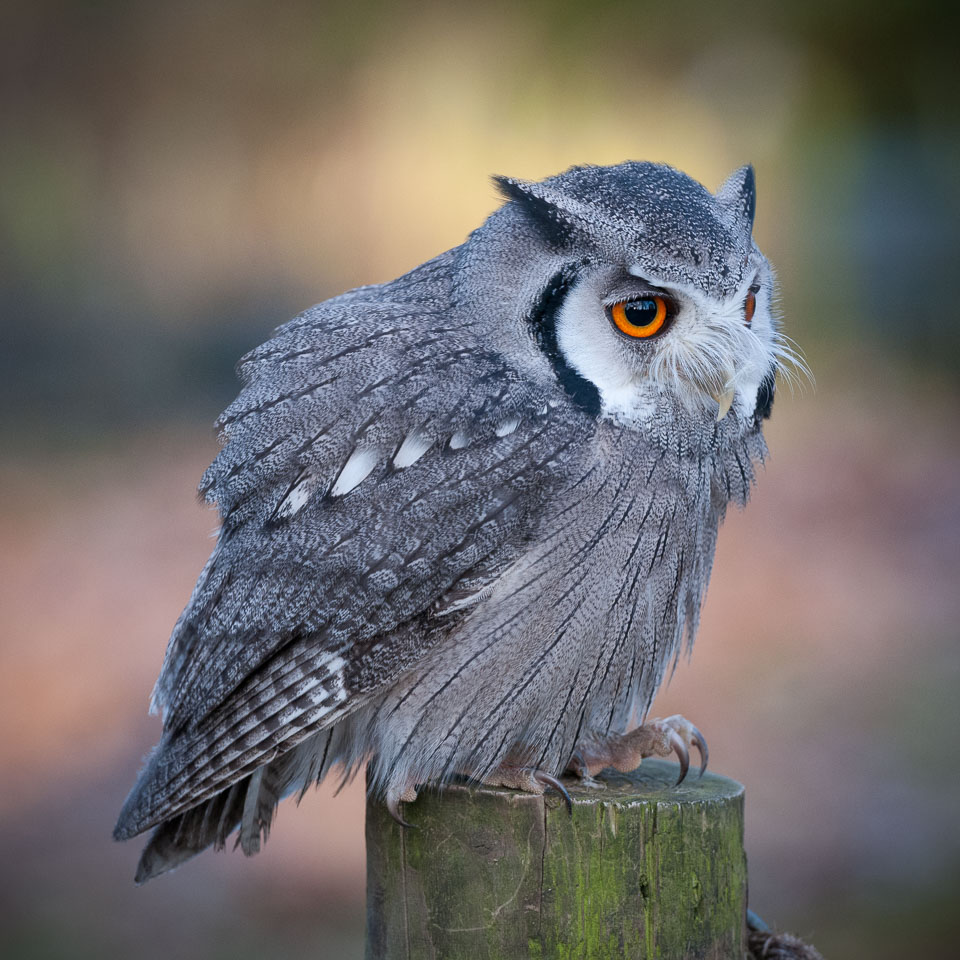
[414, 446]
[318, 694]
[355, 470]
[298, 496]
[507, 426]
[334, 665]
[459, 440]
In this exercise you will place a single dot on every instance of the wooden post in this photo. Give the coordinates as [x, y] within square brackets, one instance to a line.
[642, 869]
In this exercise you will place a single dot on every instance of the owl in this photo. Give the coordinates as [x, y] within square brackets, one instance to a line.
[469, 515]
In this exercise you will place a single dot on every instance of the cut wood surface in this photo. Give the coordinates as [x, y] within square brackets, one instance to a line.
[642, 869]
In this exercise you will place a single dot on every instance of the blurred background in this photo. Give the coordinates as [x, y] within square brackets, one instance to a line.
[178, 178]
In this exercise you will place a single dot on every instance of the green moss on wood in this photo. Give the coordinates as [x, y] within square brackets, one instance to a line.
[642, 869]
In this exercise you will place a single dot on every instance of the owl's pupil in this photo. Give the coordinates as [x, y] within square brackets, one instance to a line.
[640, 313]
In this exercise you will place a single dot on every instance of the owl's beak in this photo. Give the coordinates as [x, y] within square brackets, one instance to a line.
[725, 399]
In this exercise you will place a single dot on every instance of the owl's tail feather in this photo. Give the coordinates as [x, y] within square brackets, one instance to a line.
[249, 803]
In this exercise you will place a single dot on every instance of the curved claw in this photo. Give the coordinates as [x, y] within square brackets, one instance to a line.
[393, 808]
[683, 755]
[551, 781]
[701, 744]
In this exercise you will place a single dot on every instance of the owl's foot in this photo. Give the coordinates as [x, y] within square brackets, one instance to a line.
[396, 796]
[623, 752]
[528, 780]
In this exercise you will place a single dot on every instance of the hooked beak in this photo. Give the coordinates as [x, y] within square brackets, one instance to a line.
[725, 399]
[724, 394]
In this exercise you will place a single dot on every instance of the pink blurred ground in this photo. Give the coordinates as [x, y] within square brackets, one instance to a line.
[824, 677]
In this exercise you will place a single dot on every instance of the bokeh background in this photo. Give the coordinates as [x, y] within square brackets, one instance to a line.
[178, 178]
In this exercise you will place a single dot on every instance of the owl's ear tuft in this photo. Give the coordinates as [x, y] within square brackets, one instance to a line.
[738, 195]
[555, 224]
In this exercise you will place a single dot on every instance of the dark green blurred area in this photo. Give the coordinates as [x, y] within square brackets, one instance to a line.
[178, 178]
[101, 334]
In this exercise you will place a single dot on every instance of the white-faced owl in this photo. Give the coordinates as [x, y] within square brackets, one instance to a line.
[469, 515]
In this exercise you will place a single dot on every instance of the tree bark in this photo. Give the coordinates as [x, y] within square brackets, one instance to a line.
[642, 869]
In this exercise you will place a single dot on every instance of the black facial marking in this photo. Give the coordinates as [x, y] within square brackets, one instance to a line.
[765, 398]
[543, 324]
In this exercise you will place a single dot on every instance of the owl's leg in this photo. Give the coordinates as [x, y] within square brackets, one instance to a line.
[623, 752]
[528, 780]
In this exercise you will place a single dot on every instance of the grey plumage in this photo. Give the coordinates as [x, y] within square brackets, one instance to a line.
[466, 523]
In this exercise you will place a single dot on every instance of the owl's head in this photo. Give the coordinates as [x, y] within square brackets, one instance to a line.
[645, 292]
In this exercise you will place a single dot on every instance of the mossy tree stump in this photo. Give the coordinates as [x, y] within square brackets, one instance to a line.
[642, 869]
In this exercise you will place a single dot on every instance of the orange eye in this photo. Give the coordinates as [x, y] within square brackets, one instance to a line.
[640, 318]
[749, 306]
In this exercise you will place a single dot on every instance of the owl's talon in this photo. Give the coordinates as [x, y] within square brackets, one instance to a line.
[551, 781]
[394, 797]
[528, 779]
[701, 744]
[393, 808]
[683, 755]
[624, 752]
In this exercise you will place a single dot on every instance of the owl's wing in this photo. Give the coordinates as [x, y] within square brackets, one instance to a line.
[379, 463]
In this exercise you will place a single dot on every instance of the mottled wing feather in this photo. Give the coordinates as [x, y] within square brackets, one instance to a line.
[301, 613]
